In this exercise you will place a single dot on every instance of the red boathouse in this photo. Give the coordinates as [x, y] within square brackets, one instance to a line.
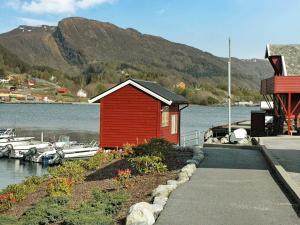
[283, 89]
[136, 111]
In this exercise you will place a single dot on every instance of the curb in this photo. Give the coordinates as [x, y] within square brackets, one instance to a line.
[245, 147]
[282, 175]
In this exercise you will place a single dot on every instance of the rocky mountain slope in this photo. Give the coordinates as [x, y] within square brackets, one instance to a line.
[81, 46]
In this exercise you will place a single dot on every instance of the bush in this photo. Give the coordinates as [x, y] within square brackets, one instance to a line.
[6, 201]
[92, 218]
[123, 177]
[60, 186]
[8, 220]
[49, 210]
[112, 201]
[156, 147]
[18, 192]
[95, 161]
[70, 169]
[148, 164]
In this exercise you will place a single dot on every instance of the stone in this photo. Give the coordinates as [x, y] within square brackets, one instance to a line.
[183, 177]
[160, 201]
[140, 214]
[173, 182]
[189, 169]
[156, 209]
[163, 190]
[196, 162]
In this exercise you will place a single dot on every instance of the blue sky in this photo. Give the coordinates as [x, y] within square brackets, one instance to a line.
[204, 24]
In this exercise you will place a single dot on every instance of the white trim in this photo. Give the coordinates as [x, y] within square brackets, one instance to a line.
[168, 102]
[283, 66]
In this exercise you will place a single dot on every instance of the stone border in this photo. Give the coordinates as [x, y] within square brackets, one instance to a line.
[144, 213]
[282, 175]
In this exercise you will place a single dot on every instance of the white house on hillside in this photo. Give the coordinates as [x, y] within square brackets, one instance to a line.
[81, 93]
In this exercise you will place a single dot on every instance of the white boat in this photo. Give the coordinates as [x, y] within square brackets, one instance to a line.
[22, 150]
[73, 151]
[7, 133]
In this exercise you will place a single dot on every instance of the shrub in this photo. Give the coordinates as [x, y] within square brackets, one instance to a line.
[60, 186]
[123, 177]
[148, 164]
[95, 161]
[8, 220]
[70, 169]
[6, 201]
[18, 192]
[156, 147]
[92, 218]
[112, 201]
[49, 210]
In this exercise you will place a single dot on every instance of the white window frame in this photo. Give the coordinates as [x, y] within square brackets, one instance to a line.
[174, 124]
[165, 116]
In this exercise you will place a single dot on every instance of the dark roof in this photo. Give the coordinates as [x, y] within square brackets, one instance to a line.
[291, 54]
[161, 91]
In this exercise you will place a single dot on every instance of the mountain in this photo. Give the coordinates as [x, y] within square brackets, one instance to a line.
[97, 55]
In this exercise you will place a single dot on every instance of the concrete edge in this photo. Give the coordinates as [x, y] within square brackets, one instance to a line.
[246, 147]
[282, 175]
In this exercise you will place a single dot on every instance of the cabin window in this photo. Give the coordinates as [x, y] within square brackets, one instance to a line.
[174, 127]
[165, 116]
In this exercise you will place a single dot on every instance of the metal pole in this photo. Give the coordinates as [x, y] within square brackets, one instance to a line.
[229, 90]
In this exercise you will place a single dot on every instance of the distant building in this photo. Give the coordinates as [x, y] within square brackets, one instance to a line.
[62, 90]
[81, 93]
[30, 83]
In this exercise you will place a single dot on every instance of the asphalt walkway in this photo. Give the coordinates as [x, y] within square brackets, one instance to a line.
[231, 187]
[286, 150]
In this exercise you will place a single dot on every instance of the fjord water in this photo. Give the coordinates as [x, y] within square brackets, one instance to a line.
[81, 123]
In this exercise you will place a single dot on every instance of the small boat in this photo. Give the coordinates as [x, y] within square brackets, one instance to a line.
[7, 133]
[29, 148]
[74, 151]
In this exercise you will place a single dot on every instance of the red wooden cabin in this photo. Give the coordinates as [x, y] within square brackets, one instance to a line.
[136, 111]
[284, 87]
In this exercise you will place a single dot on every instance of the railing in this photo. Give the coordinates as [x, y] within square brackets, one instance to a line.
[191, 138]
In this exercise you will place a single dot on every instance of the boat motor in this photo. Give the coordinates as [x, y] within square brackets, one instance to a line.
[31, 152]
[4, 152]
[58, 157]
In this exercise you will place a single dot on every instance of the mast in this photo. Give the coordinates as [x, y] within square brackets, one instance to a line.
[229, 88]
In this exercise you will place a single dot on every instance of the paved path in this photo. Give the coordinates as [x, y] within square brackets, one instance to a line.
[231, 187]
[286, 150]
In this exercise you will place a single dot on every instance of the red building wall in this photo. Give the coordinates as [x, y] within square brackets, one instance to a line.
[128, 116]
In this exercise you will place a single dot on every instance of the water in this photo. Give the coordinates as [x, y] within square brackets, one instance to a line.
[81, 122]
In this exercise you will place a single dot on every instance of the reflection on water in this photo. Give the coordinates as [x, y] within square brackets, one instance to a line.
[14, 171]
[81, 123]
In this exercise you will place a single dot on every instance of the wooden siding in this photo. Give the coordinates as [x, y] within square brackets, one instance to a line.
[128, 116]
[165, 132]
[281, 84]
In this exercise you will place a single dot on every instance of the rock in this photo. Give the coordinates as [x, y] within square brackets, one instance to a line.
[156, 209]
[183, 177]
[163, 190]
[160, 201]
[196, 162]
[141, 214]
[173, 182]
[189, 169]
